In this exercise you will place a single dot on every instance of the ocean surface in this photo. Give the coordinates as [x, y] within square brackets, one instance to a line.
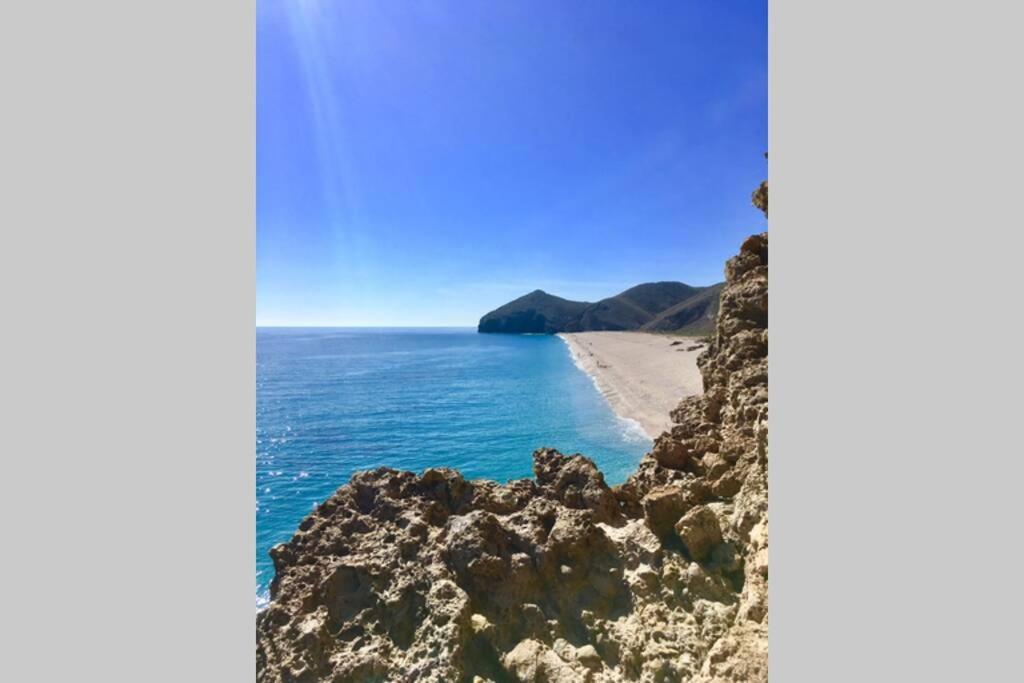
[331, 401]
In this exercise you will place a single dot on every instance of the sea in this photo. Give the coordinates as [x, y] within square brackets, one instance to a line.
[333, 401]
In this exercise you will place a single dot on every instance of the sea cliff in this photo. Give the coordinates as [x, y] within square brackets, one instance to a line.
[432, 577]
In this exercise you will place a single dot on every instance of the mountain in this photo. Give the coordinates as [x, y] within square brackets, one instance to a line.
[536, 312]
[429, 577]
[695, 315]
[636, 308]
[633, 308]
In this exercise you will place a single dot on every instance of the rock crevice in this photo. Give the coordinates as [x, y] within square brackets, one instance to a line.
[432, 577]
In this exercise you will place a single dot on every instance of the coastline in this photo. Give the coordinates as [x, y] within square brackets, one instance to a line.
[437, 543]
[643, 376]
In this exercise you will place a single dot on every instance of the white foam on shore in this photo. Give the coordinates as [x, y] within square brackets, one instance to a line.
[572, 351]
[632, 430]
[593, 378]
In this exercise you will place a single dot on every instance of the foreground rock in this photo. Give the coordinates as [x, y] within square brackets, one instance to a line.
[399, 577]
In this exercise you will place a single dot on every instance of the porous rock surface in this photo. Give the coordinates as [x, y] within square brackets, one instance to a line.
[431, 577]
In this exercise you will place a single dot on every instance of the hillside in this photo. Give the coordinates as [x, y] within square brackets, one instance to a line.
[662, 303]
[433, 578]
[695, 315]
[633, 308]
[536, 312]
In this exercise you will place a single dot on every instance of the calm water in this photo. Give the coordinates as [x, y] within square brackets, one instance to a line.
[333, 401]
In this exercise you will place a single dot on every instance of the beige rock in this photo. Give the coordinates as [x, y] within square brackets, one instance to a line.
[663, 507]
[531, 661]
[588, 657]
[434, 578]
[699, 531]
[481, 625]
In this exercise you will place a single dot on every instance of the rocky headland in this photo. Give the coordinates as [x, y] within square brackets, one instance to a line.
[432, 577]
[651, 307]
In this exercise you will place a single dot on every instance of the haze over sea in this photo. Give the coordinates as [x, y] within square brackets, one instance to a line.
[332, 401]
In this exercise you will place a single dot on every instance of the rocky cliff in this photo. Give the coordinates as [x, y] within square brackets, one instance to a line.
[405, 577]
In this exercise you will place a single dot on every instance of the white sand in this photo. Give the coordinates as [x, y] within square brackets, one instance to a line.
[643, 376]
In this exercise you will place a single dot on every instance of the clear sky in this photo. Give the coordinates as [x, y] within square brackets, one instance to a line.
[421, 163]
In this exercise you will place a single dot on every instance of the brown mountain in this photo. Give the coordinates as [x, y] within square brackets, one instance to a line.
[431, 577]
[653, 306]
[695, 315]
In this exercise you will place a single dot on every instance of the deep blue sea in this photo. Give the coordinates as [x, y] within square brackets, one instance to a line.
[331, 401]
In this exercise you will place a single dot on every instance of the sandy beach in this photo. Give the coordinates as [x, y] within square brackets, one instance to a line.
[642, 375]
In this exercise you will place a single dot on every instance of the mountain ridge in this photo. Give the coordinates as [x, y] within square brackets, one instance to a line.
[435, 578]
[665, 306]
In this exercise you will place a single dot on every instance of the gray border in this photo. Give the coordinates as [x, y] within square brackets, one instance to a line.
[128, 283]
[895, 149]
[126, 276]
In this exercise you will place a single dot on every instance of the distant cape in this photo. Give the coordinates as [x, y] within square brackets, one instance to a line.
[651, 307]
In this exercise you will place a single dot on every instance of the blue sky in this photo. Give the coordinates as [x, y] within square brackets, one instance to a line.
[421, 163]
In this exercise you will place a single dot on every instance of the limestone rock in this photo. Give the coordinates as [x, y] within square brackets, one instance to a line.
[533, 661]
[433, 578]
[699, 531]
[760, 198]
[663, 507]
[588, 657]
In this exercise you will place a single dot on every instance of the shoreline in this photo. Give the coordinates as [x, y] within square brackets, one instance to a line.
[643, 376]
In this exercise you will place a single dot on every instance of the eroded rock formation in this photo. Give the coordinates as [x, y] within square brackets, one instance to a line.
[759, 198]
[405, 577]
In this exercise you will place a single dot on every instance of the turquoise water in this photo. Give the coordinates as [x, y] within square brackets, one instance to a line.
[330, 401]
